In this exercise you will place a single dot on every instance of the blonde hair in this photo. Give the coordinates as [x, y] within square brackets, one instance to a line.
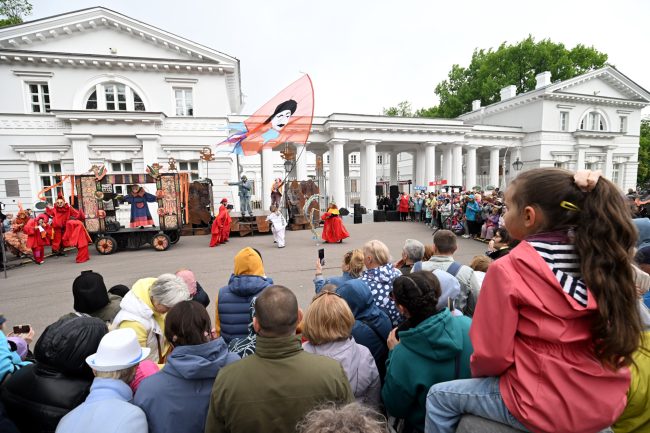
[378, 251]
[126, 375]
[354, 262]
[480, 263]
[327, 319]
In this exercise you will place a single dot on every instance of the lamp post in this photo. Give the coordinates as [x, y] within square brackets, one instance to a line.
[517, 165]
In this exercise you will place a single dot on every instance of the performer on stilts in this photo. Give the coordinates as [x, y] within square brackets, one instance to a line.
[245, 188]
[39, 234]
[333, 230]
[219, 223]
[138, 199]
[60, 214]
[77, 236]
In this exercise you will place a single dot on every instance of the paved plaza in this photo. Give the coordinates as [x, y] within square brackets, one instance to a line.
[41, 294]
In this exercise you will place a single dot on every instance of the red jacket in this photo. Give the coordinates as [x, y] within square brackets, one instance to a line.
[61, 215]
[538, 340]
[36, 238]
[404, 203]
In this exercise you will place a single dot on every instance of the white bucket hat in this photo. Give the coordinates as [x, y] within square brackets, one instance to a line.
[118, 350]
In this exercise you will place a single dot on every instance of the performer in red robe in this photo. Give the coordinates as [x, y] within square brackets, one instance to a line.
[403, 206]
[76, 236]
[218, 224]
[39, 233]
[60, 214]
[334, 230]
[227, 219]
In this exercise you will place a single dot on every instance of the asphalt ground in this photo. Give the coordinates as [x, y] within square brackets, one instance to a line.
[39, 295]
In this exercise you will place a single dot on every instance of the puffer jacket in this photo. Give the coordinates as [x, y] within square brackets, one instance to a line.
[359, 367]
[176, 399]
[372, 325]
[233, 306]
[39, 395]
[380, 282]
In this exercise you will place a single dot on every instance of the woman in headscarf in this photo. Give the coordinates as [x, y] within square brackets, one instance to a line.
[333, 230]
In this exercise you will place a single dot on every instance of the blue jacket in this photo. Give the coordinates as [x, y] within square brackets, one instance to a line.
[106, 410]
[319, 281]
[9, 361]
[234, 302]
[372, 325]
[176, 399]
[380, 282]
[472, 211]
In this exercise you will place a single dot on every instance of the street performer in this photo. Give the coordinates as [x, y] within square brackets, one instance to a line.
[60, 214]
[77, 236]
[220, 225]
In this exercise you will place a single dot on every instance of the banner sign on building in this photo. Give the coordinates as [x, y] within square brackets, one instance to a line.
[438, 182]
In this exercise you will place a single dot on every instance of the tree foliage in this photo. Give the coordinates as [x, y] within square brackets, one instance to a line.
[14, 11]
[491, 70]
[643, 175]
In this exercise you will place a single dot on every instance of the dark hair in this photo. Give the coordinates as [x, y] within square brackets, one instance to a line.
[418, 293]
[605, 238]
[276, 309]
[258, 253]
[445, 241]
[289, 104]
[119, 289]
[187, 324]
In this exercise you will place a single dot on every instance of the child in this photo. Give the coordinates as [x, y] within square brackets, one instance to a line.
[39, 233]
[278, 225]
[557, 321]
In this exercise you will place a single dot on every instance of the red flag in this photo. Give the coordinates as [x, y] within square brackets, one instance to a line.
[287, 117]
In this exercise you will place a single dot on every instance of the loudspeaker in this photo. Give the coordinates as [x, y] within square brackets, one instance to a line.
[379, 190]
[379, 216]
[392, 215]
[358, 218]
[394, 192]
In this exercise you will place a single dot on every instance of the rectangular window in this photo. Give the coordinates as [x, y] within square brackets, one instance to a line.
[564, 120]
[39, 97]
[184, 103]
[380, 159]
[121, 166]
[354, 185]
[622, 124]
[328, 158]
[115, 97]
[353, 159]
[191, 167]
[50, 174]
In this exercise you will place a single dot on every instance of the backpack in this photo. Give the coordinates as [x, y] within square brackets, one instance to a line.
[453, 269]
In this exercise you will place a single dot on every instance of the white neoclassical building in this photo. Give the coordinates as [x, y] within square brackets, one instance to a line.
[97, 87]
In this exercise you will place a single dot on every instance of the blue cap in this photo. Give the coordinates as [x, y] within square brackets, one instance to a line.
[471, 196]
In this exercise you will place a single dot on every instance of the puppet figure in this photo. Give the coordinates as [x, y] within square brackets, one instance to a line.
[16, 238]
[39, 234]
[333, 229]
[245, 187]
[60, 214]
[77, 236]
[138, 199]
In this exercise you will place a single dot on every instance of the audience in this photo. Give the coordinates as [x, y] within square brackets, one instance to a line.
[429, 347]
[38, 395]
[327, 327]
[11, 357]
[352, 267]
[143, 310]
[107, 408]
[379, 276]
[272, 390]
[501, 244]
[196, 291]
[412, 252]
[91, 298]
[232, 315]
[351, 418]
[176, 399]
[480, 265]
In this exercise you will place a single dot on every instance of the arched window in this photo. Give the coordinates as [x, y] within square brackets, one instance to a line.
[114, 97]
[593, 121]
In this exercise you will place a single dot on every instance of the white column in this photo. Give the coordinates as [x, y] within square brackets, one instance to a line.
[393, 168]
[336, 176]
[267, 177]
[446, 173]
[420, 163]
[582, 150]
[149, 148]
[457, 168]
[471, 166]
[369, 200]
[362, 171]
[494, 166]
[80, 152]
[301, 162]
[609, 161]
[430, 164]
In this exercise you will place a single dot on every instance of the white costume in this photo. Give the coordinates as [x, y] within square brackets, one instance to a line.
[278, 226]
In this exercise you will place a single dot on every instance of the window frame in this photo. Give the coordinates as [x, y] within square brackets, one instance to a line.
[194, 173]
[53, 177]
[380, 159]
[564, 121]
[622, 124]
[122, 166]
[101, 92]
[186, 111]
[44, 107]
[593, 120]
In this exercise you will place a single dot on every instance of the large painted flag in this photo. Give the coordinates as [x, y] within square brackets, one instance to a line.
[287, 117]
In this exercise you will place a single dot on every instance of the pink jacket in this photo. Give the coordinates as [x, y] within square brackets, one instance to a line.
[537, 339]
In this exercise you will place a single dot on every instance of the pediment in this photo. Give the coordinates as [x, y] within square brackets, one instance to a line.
[100, 31]
[603, 83]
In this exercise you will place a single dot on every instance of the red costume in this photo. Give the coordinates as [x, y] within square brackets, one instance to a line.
[60, 214]
[77, 236]
[333, 230]
[221, 225]
[38, 235]
[404, 203]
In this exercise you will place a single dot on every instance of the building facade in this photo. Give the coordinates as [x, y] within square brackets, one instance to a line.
[97, 87]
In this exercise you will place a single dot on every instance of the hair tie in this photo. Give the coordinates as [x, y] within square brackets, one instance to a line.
[586, 180]
[569, 206]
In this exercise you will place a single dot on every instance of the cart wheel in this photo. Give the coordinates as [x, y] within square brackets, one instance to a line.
[174, 236]
[106, 245]
[160, 242]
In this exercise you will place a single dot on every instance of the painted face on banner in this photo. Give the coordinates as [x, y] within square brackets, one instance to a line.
[280, 120]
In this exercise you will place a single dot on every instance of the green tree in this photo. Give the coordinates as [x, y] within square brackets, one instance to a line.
[643, 175]
[14, 11]
[403, 109]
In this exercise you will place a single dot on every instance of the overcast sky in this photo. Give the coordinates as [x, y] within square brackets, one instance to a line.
[364, 55]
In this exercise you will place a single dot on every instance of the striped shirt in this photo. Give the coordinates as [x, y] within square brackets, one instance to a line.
[565, 265]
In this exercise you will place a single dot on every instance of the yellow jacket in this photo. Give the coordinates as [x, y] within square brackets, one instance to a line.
[636, 416]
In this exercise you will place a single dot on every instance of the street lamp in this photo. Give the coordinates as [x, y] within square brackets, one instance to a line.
[517, 165]
[288, 165]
